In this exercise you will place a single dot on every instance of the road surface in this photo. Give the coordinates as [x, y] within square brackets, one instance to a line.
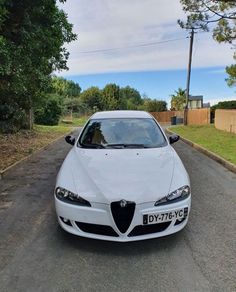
[37, 255]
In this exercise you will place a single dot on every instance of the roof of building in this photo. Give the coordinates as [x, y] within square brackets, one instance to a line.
[121, 114]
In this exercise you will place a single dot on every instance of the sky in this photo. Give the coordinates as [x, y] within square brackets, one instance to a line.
[139, 43]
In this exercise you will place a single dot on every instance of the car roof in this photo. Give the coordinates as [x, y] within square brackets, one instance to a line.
[121, 114]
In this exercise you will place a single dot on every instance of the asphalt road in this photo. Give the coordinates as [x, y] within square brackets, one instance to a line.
[36, 255]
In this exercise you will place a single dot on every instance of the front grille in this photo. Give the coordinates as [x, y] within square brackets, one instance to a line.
[148, 229]
[97, 229]
[122, 215]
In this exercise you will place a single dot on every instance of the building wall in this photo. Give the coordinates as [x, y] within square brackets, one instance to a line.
[193, 104]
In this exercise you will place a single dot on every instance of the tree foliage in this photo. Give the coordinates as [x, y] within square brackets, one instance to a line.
[92, 98]
[64, 87]
[178, 100]
[32, 35]
[220, 15]
[203, 13]
[230, 104]
[231, 80]
[111, 97]
[50, 110]
[153, 105]
[69, 90]
[130, 98]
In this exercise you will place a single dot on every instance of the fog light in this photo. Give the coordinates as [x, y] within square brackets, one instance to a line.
[66, 221]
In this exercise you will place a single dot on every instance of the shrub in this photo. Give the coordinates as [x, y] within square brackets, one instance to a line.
[12, 117]
[49, 112]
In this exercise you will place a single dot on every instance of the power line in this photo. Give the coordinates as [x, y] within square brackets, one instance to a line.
[130, 47]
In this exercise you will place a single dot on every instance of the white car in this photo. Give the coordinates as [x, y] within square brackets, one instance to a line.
[122, 180]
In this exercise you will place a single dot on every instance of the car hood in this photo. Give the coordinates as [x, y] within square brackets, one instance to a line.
[106, 175]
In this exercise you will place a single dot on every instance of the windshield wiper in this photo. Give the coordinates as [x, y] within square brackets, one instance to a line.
[125, 146]
[93, 145]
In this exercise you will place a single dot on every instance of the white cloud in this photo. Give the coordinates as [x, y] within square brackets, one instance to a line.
[102, 24]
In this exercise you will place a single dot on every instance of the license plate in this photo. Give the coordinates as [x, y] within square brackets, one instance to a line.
[155, 218]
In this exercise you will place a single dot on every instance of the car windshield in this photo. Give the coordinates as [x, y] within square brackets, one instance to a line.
[122, 133]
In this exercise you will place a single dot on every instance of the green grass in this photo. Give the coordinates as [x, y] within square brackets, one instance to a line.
[219, 142]
[76, 122]
[61, 129]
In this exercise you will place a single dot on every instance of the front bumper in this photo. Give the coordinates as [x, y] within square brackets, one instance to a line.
[97, 221]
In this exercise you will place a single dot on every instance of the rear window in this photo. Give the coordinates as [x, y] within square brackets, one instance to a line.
[122, 133]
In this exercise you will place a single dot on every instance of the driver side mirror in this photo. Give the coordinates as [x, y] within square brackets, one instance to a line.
[70, 139]
[173, 138]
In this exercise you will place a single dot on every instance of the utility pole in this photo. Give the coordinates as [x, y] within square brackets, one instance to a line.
[188, 76]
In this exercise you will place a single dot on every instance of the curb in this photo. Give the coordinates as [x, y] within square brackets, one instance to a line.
[6, 170]
[230, 166]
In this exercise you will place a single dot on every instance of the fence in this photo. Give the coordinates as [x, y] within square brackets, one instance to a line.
[195, 116]
[199, 116]
[164, 117]
[226, 120]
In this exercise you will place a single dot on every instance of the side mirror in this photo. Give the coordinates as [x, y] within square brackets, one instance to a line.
[70, 139]
[173, 138]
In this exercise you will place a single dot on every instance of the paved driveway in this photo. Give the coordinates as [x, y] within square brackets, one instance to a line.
[36, 255]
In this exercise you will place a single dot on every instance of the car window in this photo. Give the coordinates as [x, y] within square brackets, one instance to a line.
[122, 133]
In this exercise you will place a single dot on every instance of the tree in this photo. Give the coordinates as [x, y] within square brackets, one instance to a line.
[178, 100]
[32, 35]
[153, 105]
[111, 97]
[64, 87]
[70, 92]
[229, 104]
[50, 111]
[217, 14]
[71, 104]
[92, 98]
[130, 98]
[231, 70]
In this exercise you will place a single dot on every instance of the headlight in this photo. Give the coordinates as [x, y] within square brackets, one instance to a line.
[177, 195]
[69, 197]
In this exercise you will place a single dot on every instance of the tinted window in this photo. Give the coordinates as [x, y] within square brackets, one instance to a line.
[122, 133]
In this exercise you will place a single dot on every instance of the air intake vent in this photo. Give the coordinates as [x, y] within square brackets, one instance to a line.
[96, 229]
[123, 212]
[149, 229]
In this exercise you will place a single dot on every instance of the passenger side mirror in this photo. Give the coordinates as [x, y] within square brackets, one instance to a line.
[173, 138]
[70, 139]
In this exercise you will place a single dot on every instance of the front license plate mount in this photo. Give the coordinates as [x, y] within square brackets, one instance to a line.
[155, 218]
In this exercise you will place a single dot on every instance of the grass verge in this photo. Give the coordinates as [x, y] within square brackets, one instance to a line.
[75, 122]
[219, 142]
[14, 147]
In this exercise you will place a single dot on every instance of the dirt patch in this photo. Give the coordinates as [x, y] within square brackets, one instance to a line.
[14, 147]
